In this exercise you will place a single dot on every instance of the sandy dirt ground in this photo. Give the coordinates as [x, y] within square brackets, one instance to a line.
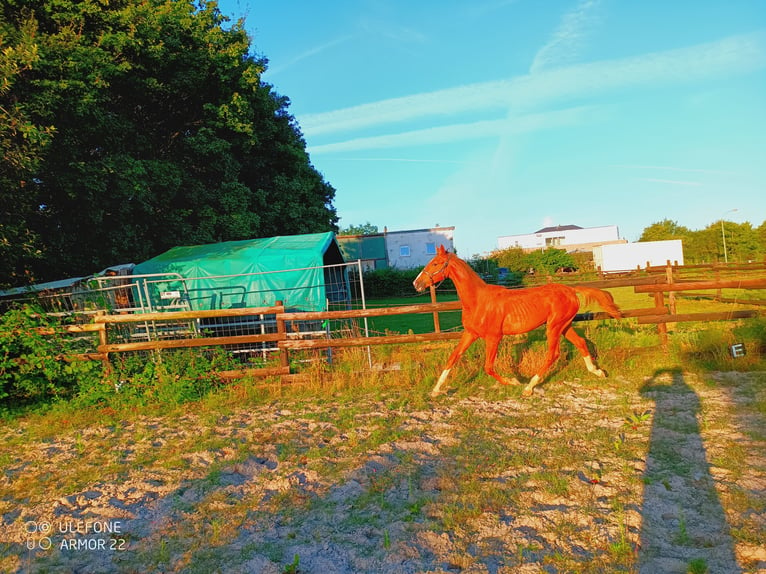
[666, 475]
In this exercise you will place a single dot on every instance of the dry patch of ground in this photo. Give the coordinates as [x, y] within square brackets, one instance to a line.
[664, 474]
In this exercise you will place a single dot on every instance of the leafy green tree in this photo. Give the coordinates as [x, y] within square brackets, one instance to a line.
[664, 230]
[363, 229]
[160, 133]
[703, 246]
[550, 260]
[512, 258]
[743, 242]
[760, 232]
[22, 143]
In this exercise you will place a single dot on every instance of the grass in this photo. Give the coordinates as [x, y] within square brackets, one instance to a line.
[370, 461]
[420, 323]
[625, 297]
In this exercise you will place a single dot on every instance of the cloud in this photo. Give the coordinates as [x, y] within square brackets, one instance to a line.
[461, 132]
[669, 181]
[311, 52]
[672, 168]
[403, 160]
[722, 58]
[567, 41]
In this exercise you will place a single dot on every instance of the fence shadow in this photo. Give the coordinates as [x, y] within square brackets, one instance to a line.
[682, 516]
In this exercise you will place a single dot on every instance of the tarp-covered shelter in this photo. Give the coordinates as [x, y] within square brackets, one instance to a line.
[254, 273]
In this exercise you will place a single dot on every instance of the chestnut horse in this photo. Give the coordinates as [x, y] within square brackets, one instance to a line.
[492, 311]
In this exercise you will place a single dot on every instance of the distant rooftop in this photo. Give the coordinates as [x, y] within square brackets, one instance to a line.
[558, 228]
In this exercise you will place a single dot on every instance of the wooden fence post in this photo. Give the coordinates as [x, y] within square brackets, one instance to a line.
[662, 328]
[718, 293]
[672, 294]
[102, 341]
[437, 328]
[284, 353]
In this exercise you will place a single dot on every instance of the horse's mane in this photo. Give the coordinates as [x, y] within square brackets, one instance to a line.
[466, 269]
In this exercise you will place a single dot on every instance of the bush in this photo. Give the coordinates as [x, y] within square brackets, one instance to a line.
[168, 377]
[389, 282]
[32, 368]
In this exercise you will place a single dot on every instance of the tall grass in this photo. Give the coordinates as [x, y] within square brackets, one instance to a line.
[499, 467]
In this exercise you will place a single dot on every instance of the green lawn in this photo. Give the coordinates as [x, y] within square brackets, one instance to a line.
[420, 323]
[625, 297]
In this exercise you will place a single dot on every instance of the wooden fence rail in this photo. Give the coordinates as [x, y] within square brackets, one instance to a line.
[287, 341]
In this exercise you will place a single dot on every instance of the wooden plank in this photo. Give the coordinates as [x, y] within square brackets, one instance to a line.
[625, 282]
[713, 296]
[365, 341]
[686, 317]
[263, 372]
[188, 315]
[85, 328]
[370, 312]
[187, 343]
[692, 285]
[82, 357]
[626, 313]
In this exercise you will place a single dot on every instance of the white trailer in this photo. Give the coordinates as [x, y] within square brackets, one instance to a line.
[629, 256]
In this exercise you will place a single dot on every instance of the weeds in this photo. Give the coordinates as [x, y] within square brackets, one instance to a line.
[270, 466]
[697, 566]
[294, 566]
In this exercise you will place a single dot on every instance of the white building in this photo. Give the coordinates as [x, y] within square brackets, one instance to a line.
[629, 256]
[415, 248]
[568, 237]
[398, 249]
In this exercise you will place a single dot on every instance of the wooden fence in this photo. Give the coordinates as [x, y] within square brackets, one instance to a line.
[663, 286]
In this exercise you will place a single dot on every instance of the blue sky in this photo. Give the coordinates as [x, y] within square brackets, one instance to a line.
[504, 116]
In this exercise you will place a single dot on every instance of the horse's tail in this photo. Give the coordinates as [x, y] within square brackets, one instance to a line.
[603, 298]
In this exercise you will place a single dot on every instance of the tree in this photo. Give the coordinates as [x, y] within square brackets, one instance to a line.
[161, 133]
[760, 232]
[363, 229]
[22, 143]
[550, 260]
[743, 241]
[664, 230]
[543, 261]
[513, 258]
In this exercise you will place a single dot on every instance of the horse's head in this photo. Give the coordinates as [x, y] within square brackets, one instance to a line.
[434, 272]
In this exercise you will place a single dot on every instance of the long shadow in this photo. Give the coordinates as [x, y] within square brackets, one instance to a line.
[682, 516]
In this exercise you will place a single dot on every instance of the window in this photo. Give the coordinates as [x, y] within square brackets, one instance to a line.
[553, 241]
[430, 248]
[404, 251]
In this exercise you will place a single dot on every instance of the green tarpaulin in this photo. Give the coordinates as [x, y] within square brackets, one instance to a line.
[252, 273]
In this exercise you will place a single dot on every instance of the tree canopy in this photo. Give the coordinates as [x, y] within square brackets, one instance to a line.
[131, 126]
[362, 229]
[743, 241]
[547, 260]
[664, 230]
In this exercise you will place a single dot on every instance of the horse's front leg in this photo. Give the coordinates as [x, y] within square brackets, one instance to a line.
[489, 362]
[466, 340]
[553, 334]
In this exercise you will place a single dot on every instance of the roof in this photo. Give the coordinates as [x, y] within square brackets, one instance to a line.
[286, 268]
[238, 257]
[402, 231]
[362, 246]
[64, 283]
[558, 228]
[39, 287]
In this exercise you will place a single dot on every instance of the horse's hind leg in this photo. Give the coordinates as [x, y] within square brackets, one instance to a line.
[582, 346]
[466, 341]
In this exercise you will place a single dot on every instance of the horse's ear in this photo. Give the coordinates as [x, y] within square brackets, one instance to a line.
[440, 250]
